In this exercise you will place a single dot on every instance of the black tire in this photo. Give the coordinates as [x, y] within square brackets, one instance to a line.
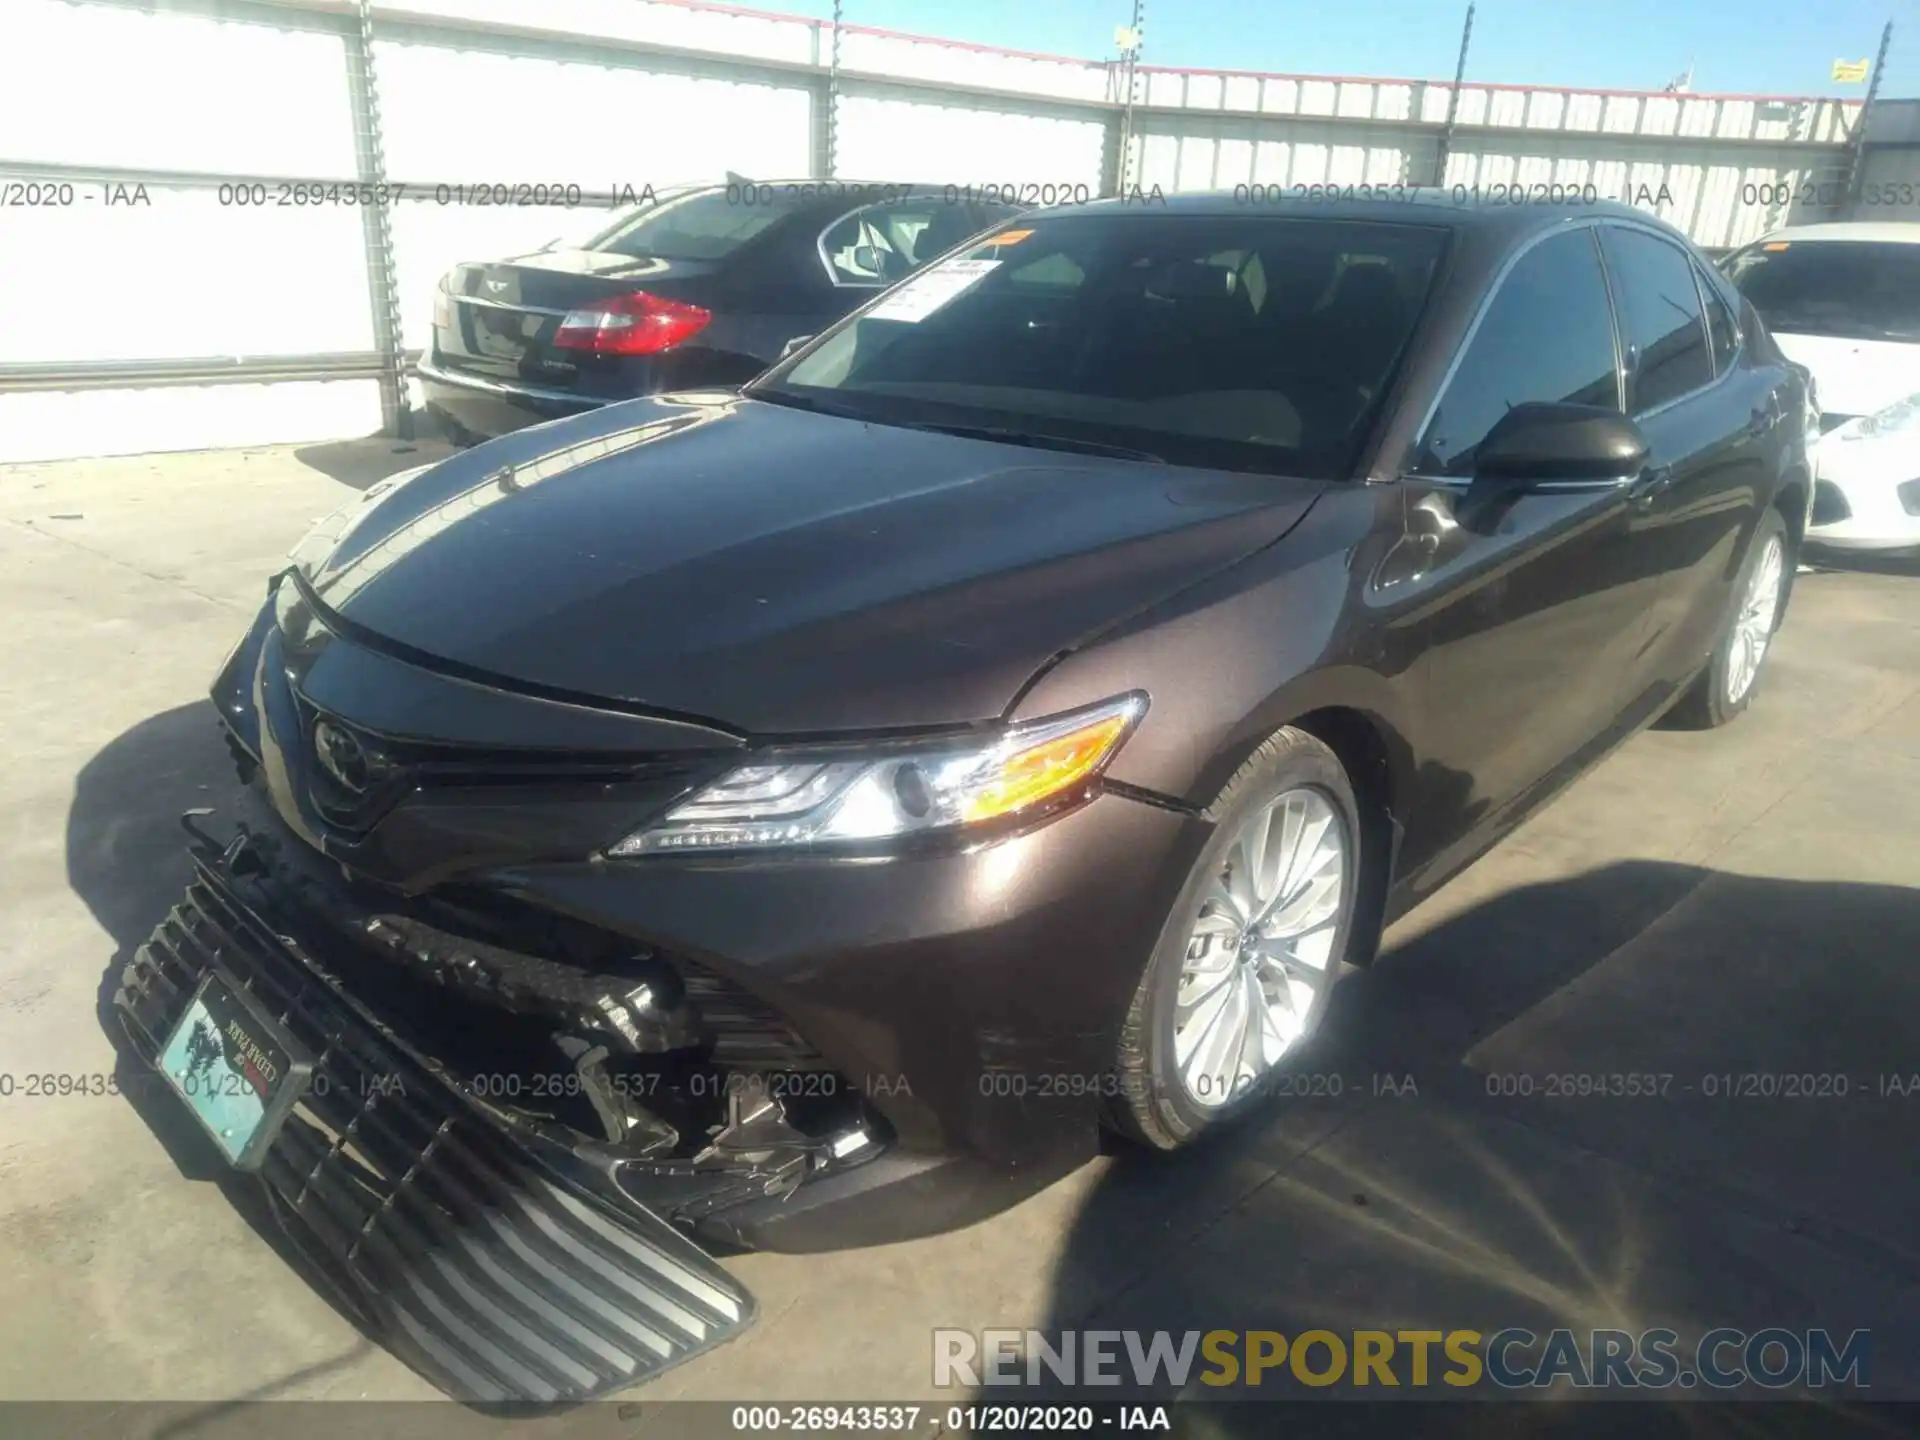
[1151, 1105]
[1707, 705]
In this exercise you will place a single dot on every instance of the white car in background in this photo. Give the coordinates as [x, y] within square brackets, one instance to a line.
[1844, 301]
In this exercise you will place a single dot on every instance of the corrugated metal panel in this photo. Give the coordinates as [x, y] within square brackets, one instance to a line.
[96, 85]
[880, 53]
[1203, 154]
[178, 274]
[60, 425]
[605, 128]
[718, 29]
[887, 134]
[478, 116]
[1719, 198]
[1601, 112]
[1889, 185]
[1895, 122]
[262, 97]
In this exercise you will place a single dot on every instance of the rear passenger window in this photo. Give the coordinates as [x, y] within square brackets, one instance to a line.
[1721, 330]
[883, 243]
[1660, 313]
[1547, 336]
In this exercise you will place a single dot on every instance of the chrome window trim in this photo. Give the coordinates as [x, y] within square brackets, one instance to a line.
[1569, 487]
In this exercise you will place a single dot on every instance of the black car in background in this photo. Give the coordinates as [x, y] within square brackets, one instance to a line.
[803, 815]
[704, 285]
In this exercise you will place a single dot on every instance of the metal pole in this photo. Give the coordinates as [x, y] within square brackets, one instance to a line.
[1130, 60]
[833, 97]
[376, 227]
[1445, 147]
[1857, 142]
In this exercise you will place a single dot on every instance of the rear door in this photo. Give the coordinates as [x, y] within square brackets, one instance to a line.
[1709, 417]
[1529, 631]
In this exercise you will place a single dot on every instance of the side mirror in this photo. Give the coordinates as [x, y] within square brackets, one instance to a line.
[794, 344]
[1541, 442]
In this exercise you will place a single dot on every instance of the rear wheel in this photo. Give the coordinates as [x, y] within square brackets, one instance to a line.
[1727, 685]
[1248, 958]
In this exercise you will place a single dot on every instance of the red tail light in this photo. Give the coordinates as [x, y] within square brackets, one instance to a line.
[635, 324]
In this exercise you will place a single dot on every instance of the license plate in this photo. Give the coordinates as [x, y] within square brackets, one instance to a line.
[238, 1072]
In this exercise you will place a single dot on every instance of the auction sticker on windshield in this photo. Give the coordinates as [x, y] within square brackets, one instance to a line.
[932, 288]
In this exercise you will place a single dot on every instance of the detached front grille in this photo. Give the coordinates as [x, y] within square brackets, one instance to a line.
[487, 1275]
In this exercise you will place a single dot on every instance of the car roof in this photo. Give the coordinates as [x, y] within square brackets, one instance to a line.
[1498, 220]
[832, 185]
[1899, 232]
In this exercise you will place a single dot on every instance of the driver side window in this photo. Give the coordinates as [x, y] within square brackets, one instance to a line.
[1546, 336]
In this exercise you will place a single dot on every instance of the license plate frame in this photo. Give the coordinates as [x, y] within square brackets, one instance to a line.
[242, 1075]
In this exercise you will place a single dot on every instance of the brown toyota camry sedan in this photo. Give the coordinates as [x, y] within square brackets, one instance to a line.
[803, 815]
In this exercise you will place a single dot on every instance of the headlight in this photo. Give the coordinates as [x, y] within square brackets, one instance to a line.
[831, 795]
[1901, 416]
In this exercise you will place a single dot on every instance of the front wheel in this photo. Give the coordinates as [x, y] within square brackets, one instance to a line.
[1248, 958]
[1733, 671]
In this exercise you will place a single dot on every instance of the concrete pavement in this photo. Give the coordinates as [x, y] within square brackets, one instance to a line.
[1706, 907]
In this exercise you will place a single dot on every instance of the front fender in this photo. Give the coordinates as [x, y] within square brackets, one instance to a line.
[1289, 631]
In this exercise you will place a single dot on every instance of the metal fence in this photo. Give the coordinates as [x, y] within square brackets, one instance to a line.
[188, 255]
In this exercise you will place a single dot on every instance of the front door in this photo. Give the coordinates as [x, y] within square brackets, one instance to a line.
[1530, 609]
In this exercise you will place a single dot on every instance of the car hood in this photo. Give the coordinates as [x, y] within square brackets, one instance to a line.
[1855, 377]
[775, 570]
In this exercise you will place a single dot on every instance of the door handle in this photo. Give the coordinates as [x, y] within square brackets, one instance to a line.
[1651, 483]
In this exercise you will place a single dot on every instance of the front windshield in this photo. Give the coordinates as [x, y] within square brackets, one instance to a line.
[1854, 289]
[1241, 341]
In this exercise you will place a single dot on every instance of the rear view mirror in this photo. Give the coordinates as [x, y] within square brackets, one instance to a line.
[1536, 442]
[794, 344]
[868, 259]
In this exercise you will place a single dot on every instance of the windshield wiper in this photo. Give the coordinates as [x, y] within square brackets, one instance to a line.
[1040, 439]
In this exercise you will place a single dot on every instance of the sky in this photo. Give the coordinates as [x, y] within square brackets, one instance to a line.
[1773, 47]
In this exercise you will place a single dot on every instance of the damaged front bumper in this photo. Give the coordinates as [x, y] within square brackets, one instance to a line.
[494, 1256]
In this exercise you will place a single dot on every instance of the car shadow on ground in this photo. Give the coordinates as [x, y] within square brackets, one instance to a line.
[127, 859]
[1463, 1196]
[364, 462]
[1437, 1204]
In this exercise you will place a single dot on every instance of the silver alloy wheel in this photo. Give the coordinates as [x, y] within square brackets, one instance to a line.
[1753, 626]
[1260, 953]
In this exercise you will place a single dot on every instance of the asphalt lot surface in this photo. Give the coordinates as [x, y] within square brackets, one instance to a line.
[1743, 903]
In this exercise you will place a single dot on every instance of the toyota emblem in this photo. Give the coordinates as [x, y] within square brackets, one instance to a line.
[343, 756]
